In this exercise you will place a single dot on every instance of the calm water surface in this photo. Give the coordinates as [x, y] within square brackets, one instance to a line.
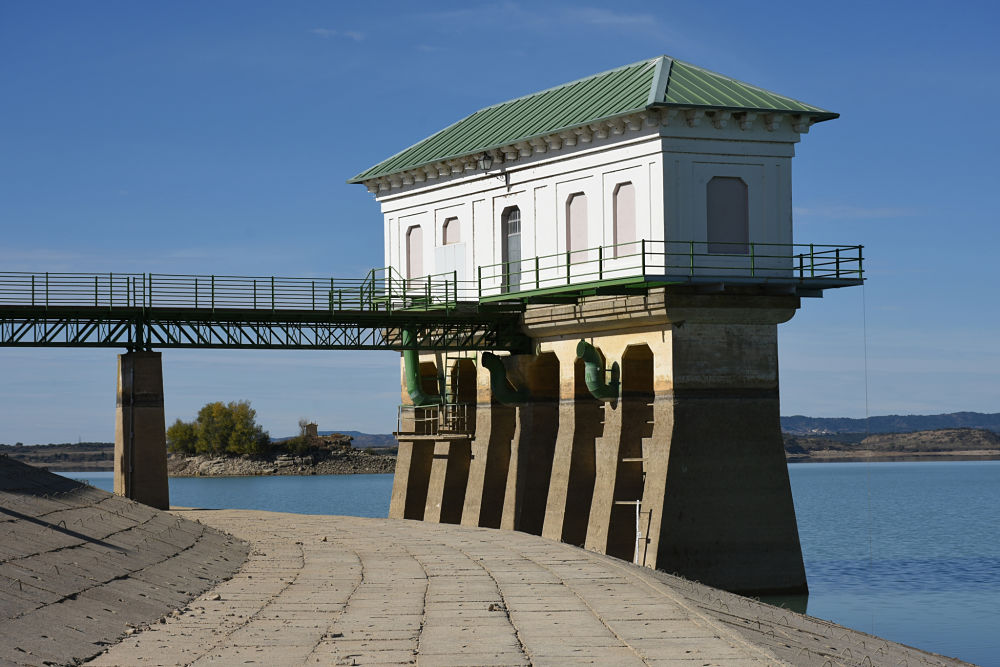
[907, 551]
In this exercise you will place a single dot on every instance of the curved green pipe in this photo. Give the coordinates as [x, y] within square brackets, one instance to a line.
[594, 373]
[498, 381]
[411, 370]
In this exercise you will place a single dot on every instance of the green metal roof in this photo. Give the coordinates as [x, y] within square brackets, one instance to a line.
[659, 82]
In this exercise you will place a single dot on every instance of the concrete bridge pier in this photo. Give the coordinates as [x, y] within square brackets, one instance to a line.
[727, 514]
[581, 423]
[447, 480]
[491, 455]
[140, 433]
[532, 447]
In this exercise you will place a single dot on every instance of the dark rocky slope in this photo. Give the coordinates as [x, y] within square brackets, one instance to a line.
[81, 568]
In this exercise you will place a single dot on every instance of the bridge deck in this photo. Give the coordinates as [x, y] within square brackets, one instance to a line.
[145, 310]
[141, 311]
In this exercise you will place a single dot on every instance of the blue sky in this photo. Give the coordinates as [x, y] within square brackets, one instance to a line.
[216, 137]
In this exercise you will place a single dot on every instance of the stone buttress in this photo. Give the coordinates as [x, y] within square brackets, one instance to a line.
[679, 466]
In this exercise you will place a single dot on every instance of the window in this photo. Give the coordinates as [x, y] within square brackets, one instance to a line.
[510, 230]
[576, 223]
[624, 219]
[414, 252]
[728, 216]
[450, 232]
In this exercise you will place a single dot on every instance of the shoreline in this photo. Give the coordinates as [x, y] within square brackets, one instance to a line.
[375, 464]
[872, 456]
[349, 462]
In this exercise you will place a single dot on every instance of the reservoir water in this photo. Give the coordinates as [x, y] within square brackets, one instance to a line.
[906, 551]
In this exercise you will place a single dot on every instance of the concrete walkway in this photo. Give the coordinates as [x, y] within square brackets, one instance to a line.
[345, 591]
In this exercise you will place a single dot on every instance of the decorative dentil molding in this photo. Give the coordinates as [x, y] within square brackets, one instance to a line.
[585, 134]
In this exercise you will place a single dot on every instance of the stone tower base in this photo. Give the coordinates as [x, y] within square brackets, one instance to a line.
[683, 472]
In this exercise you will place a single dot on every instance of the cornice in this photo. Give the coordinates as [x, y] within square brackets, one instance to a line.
[555, 142]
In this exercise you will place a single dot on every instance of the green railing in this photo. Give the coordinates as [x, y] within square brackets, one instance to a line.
[677, 261]
[385, 290]
[390, 291]
[381, 290]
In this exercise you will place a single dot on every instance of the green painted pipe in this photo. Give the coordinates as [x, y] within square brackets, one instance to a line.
[594, 373]
[411, 370]
[501, 387]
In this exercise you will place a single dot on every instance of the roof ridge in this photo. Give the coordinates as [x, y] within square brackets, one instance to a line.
[743, 83]
[661, 79]
[648, 61]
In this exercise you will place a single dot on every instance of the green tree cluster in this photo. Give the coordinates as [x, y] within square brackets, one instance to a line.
[221, 429]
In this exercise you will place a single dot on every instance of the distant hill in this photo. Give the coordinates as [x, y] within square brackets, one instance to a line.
[955, 444]
[64, 456]
[800, 425]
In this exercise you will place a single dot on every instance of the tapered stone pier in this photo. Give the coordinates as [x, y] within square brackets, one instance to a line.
[681, 470]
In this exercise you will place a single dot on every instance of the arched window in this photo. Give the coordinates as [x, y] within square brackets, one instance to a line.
[414, 252]
[624, 219]
[510, 247]
[576, 224]
[450, 232]
[728, 216]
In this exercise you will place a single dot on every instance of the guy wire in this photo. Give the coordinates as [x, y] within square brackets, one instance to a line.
[868, 432]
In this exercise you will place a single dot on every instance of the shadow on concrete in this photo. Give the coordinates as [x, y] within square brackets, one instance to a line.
[59, 528]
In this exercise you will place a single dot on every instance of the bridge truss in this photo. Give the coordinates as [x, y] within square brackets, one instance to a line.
[144, 311]
[274, 330]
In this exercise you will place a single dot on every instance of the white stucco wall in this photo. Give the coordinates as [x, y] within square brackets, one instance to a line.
[668, 166]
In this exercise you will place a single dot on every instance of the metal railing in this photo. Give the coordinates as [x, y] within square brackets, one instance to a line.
[687, 261]
[384, 290]
[390, 291]
[443, 419]
[380, 290]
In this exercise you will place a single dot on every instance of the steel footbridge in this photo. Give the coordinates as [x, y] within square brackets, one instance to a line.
[141, 311]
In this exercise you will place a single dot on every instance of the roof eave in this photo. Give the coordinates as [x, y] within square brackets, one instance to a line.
[818, 115]
[360, 178]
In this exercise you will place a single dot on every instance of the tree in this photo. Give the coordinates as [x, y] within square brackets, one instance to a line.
[221, 429]
[182, 437]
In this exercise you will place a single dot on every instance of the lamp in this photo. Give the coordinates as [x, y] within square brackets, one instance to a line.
[485, 161]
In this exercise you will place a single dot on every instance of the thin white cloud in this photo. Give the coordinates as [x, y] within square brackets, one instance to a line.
[512, 13]
[327, 33]
[27, 256]
[382, 360]
[610, 19]
[847, 212]
[478, 15]
[670, 38]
